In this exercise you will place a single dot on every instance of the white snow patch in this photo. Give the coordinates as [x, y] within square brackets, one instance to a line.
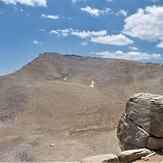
[92, 84]
[65, 78]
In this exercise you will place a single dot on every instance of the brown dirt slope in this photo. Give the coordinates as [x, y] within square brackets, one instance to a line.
[49, 101]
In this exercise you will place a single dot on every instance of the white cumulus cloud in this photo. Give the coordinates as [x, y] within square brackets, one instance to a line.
[94, 11]
[154, 1]
[85, 34]
[62, 32]
[146, 24]
[122, 12]
[77, 33]
[95, 36]
[160, 45]
[54, 17]
[136, 56]
[26, 2]
[84, 43]
[119, 40]
[37, 42]
[74, 1]
[133, 48]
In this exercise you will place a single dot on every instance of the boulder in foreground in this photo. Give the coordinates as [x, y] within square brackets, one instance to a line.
[141, 125]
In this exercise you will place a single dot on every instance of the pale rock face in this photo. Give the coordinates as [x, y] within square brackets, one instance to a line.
[142, 123]
[132, 155]
[131, 135]
[146, 110]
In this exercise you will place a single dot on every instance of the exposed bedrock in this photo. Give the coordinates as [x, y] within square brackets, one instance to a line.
[142, 124]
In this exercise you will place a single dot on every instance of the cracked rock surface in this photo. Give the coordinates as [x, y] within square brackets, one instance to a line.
[142, 124]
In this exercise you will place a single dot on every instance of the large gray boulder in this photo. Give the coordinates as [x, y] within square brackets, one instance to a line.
[130, 135]
[146, 110]
[142, 123]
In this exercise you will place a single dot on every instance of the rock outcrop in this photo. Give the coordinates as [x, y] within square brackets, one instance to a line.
[142, 124]
[132, 155]
[122, 157]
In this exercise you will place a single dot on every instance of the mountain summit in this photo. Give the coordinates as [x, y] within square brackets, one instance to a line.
[70, 101]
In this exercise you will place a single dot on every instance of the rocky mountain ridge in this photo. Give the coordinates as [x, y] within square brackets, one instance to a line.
[51, 100]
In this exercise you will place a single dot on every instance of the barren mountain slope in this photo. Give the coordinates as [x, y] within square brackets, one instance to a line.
[49, 101]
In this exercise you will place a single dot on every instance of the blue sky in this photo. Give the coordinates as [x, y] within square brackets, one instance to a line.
[126, 29]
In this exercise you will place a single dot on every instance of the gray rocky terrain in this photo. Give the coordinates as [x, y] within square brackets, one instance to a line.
[67, 107]
[141, 126]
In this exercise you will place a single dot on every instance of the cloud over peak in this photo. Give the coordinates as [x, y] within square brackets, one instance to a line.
[84, 34]
[81, 34]
[119, 40]
[136, 56]
[95, 36]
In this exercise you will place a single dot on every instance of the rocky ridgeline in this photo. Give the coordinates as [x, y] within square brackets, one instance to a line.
[142, 124]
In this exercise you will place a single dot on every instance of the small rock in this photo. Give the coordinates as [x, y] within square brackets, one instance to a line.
[146, 158]
[65, 78]
[106, 158]
[51, 145]
[92, 84]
